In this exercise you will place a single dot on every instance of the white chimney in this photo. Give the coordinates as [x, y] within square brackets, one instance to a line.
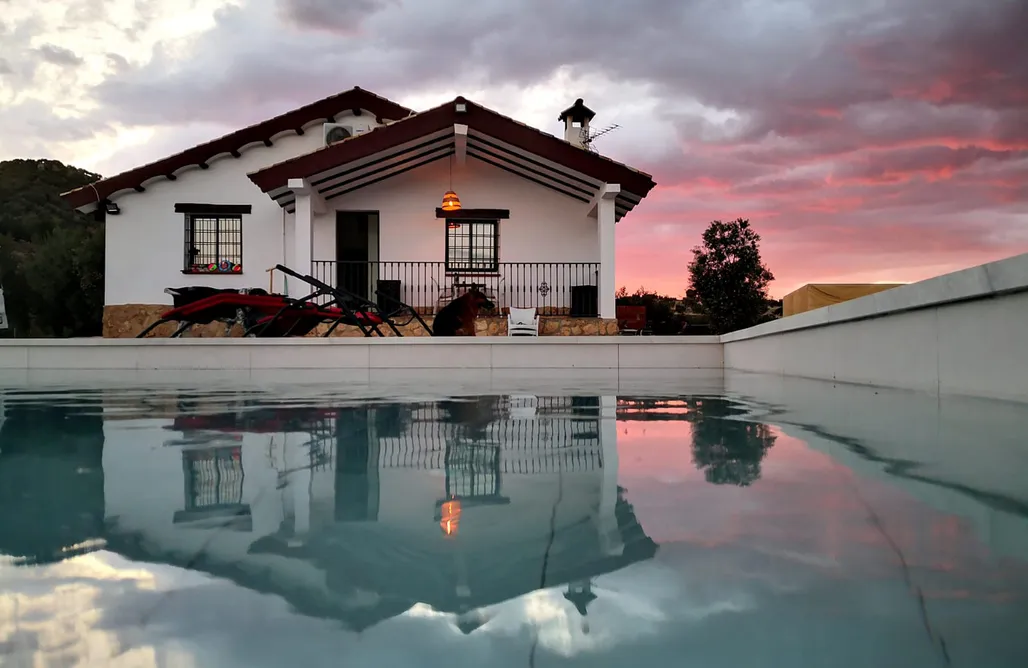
[576, 123]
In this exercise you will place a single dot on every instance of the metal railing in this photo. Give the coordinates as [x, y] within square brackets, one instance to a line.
[552, 288]
[543, 445]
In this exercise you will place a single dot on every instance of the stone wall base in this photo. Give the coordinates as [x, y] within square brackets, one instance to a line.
[125, 321]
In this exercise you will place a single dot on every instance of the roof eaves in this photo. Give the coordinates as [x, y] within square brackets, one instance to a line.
[550, 135]
[199, 155]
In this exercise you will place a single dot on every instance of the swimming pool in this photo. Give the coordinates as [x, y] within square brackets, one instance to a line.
[751, 521]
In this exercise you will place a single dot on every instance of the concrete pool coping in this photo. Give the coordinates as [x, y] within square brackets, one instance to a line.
[994, 279]
[571, 352]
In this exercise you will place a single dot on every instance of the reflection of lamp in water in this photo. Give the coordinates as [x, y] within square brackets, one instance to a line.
[450, 517]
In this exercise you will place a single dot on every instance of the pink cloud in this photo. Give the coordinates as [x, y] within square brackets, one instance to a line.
[897, 194]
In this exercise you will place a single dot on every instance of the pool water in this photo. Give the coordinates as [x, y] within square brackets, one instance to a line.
[161, 527]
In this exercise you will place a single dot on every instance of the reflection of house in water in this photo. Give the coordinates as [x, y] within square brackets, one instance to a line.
[360, 512]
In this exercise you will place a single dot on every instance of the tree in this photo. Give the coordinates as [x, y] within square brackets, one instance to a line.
[51, 256]
[728, 277]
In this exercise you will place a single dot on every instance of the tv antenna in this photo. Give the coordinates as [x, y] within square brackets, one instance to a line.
[587, 139]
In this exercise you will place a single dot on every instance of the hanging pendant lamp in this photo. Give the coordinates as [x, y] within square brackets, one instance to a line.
[450, 200]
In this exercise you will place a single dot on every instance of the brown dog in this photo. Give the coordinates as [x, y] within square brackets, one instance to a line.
[458, 317]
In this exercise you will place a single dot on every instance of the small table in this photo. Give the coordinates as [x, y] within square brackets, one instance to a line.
[457, 288]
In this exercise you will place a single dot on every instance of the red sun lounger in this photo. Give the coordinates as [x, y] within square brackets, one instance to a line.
[343, 297]
[263, 315]
[302, 321]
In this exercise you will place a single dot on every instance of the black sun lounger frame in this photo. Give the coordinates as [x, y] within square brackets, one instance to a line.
[342, 298]
[286, 307]
[348, 315]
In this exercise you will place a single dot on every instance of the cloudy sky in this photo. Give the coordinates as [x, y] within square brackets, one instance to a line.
[884, 140]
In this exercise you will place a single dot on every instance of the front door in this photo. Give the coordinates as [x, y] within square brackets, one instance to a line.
[354, 250]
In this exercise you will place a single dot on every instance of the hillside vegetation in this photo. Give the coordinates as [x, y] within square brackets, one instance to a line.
[51, 257]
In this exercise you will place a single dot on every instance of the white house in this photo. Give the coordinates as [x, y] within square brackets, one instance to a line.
[349, 189]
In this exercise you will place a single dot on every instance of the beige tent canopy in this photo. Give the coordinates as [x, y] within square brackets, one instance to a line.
[816, 295]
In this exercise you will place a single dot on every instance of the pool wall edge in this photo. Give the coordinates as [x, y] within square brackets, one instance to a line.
[963, 333]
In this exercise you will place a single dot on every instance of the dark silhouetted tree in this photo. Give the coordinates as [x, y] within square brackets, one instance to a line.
[51, 256]
[728, 277]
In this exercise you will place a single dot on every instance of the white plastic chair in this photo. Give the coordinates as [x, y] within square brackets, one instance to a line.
[522, 322]
[522, 406]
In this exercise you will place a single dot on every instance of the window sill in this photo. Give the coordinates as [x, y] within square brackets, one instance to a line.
[204, 272]
[471, 273]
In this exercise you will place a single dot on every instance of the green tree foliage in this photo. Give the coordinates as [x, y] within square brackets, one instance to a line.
[728, 277]
[51, 257]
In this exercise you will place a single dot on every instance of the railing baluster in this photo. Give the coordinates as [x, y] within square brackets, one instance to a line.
[514, 284]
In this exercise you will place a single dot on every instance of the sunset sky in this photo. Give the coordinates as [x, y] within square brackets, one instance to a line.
[877, 141]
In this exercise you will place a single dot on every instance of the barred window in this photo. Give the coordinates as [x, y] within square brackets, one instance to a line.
[214, 243]
[214, 477]
[472, 245]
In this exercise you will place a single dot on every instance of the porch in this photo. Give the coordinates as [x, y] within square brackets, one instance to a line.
[552, 288]
[533, 228]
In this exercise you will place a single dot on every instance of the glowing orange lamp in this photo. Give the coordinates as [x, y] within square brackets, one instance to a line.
[450, 201]
[450, 520]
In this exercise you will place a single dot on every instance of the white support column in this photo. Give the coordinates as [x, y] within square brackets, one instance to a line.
[607, 523]
[605, 227]
[302, 241]
[299, 476]
[308, 201]
[460, 143]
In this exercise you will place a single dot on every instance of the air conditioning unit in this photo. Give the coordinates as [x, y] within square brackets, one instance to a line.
[337, 132]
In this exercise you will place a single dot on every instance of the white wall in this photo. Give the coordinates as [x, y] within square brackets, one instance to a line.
[544, 226]
[144, 486]
[961, 333]
[145, 242]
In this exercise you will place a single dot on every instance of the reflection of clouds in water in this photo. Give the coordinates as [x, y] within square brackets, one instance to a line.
[634, 602]
[55, 612]
[112, 567]
[620, 612]
[88, 609]
[655, 592]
